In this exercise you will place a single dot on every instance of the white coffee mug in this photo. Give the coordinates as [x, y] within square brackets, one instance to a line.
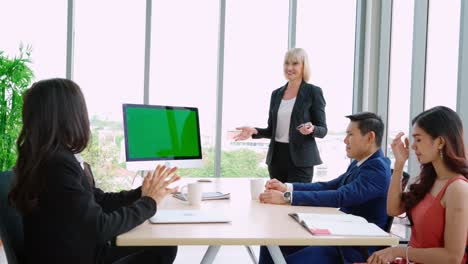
[194, 193]
[257, 186]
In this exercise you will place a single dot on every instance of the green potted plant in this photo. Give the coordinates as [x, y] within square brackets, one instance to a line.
[15, 78]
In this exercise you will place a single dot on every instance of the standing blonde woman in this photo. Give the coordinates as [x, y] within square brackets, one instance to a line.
[296, 118]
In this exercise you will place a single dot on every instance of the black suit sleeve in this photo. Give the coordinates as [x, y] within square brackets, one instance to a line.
[317, 113]
[267, 132]
[111, 201]
[73, 202]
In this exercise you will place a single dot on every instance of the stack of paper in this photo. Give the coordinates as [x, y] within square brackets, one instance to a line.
[205, 196]
[337, 224]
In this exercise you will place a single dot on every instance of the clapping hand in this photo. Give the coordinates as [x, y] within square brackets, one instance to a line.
[400, 149]
[155, 184]
[245, 133]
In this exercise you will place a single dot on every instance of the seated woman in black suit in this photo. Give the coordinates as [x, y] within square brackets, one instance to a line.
[66, 219]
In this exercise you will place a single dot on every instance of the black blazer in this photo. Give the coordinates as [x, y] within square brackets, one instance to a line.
[75, 221]
[309, 106]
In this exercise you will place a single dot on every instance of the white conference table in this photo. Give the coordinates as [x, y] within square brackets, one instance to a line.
[252, 223]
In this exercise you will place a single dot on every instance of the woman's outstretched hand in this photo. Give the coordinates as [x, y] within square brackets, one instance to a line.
[245, 133]
[155, 183]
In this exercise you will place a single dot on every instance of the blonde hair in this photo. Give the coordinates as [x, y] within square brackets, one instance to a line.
[299, 55]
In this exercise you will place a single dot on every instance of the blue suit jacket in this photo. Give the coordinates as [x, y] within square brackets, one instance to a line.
[360, 190]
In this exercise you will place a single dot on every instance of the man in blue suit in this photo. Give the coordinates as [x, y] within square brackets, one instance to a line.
[361, 190]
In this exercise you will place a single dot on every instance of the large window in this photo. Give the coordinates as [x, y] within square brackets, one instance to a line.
[183, 65]
[442, 53]
[109, 62]
[400, 70]
[256, 41]
[44, 30]
[326, 30]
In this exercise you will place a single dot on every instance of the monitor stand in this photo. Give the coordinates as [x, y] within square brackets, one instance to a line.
[151, 165]
[140, 175]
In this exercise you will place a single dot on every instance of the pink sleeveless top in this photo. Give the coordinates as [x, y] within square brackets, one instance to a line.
[429, 221]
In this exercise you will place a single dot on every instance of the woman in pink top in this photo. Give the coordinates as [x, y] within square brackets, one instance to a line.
[436, 203]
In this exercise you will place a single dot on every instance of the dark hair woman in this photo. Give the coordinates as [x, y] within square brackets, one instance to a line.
[436, 202]
[66, 219]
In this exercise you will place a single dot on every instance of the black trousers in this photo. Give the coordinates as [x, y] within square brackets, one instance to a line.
[130, 255]
[283, 169]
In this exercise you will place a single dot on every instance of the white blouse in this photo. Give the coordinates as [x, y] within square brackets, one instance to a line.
[284, 120]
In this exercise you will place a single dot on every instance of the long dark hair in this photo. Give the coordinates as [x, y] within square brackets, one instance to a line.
[439, 121]
[54, 117]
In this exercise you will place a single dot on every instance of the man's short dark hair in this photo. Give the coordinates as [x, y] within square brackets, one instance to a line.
[368, 122]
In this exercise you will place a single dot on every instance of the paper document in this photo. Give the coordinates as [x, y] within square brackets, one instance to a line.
[337, 224]
[205, 196]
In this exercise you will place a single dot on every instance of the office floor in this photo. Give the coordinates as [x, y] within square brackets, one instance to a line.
[194, 254]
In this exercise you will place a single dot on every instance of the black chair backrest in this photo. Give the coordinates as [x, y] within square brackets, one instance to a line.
[404, 182]
[11, 222]
[388, 225]
[404, 179]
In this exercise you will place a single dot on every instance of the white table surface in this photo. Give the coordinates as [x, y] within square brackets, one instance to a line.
[253, 223]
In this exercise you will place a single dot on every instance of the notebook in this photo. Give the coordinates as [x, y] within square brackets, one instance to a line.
[205, 196]
[188, 217]
[337, 224]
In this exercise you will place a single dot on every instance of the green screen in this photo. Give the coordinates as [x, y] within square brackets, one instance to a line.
[160, 133]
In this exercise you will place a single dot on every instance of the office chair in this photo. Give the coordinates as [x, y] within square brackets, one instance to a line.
[404, 182]
[11, 223]
[388, 225]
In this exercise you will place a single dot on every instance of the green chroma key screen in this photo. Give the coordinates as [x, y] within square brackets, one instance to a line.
[161, 132]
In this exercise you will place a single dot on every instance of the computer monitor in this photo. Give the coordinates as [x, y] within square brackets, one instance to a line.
[156, 134]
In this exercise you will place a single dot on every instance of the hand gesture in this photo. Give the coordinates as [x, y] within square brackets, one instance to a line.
[245, 133]
[274, 184]
[382, 256]
[400, 150]
[306, 129]
[272, 197]
[155, 183]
